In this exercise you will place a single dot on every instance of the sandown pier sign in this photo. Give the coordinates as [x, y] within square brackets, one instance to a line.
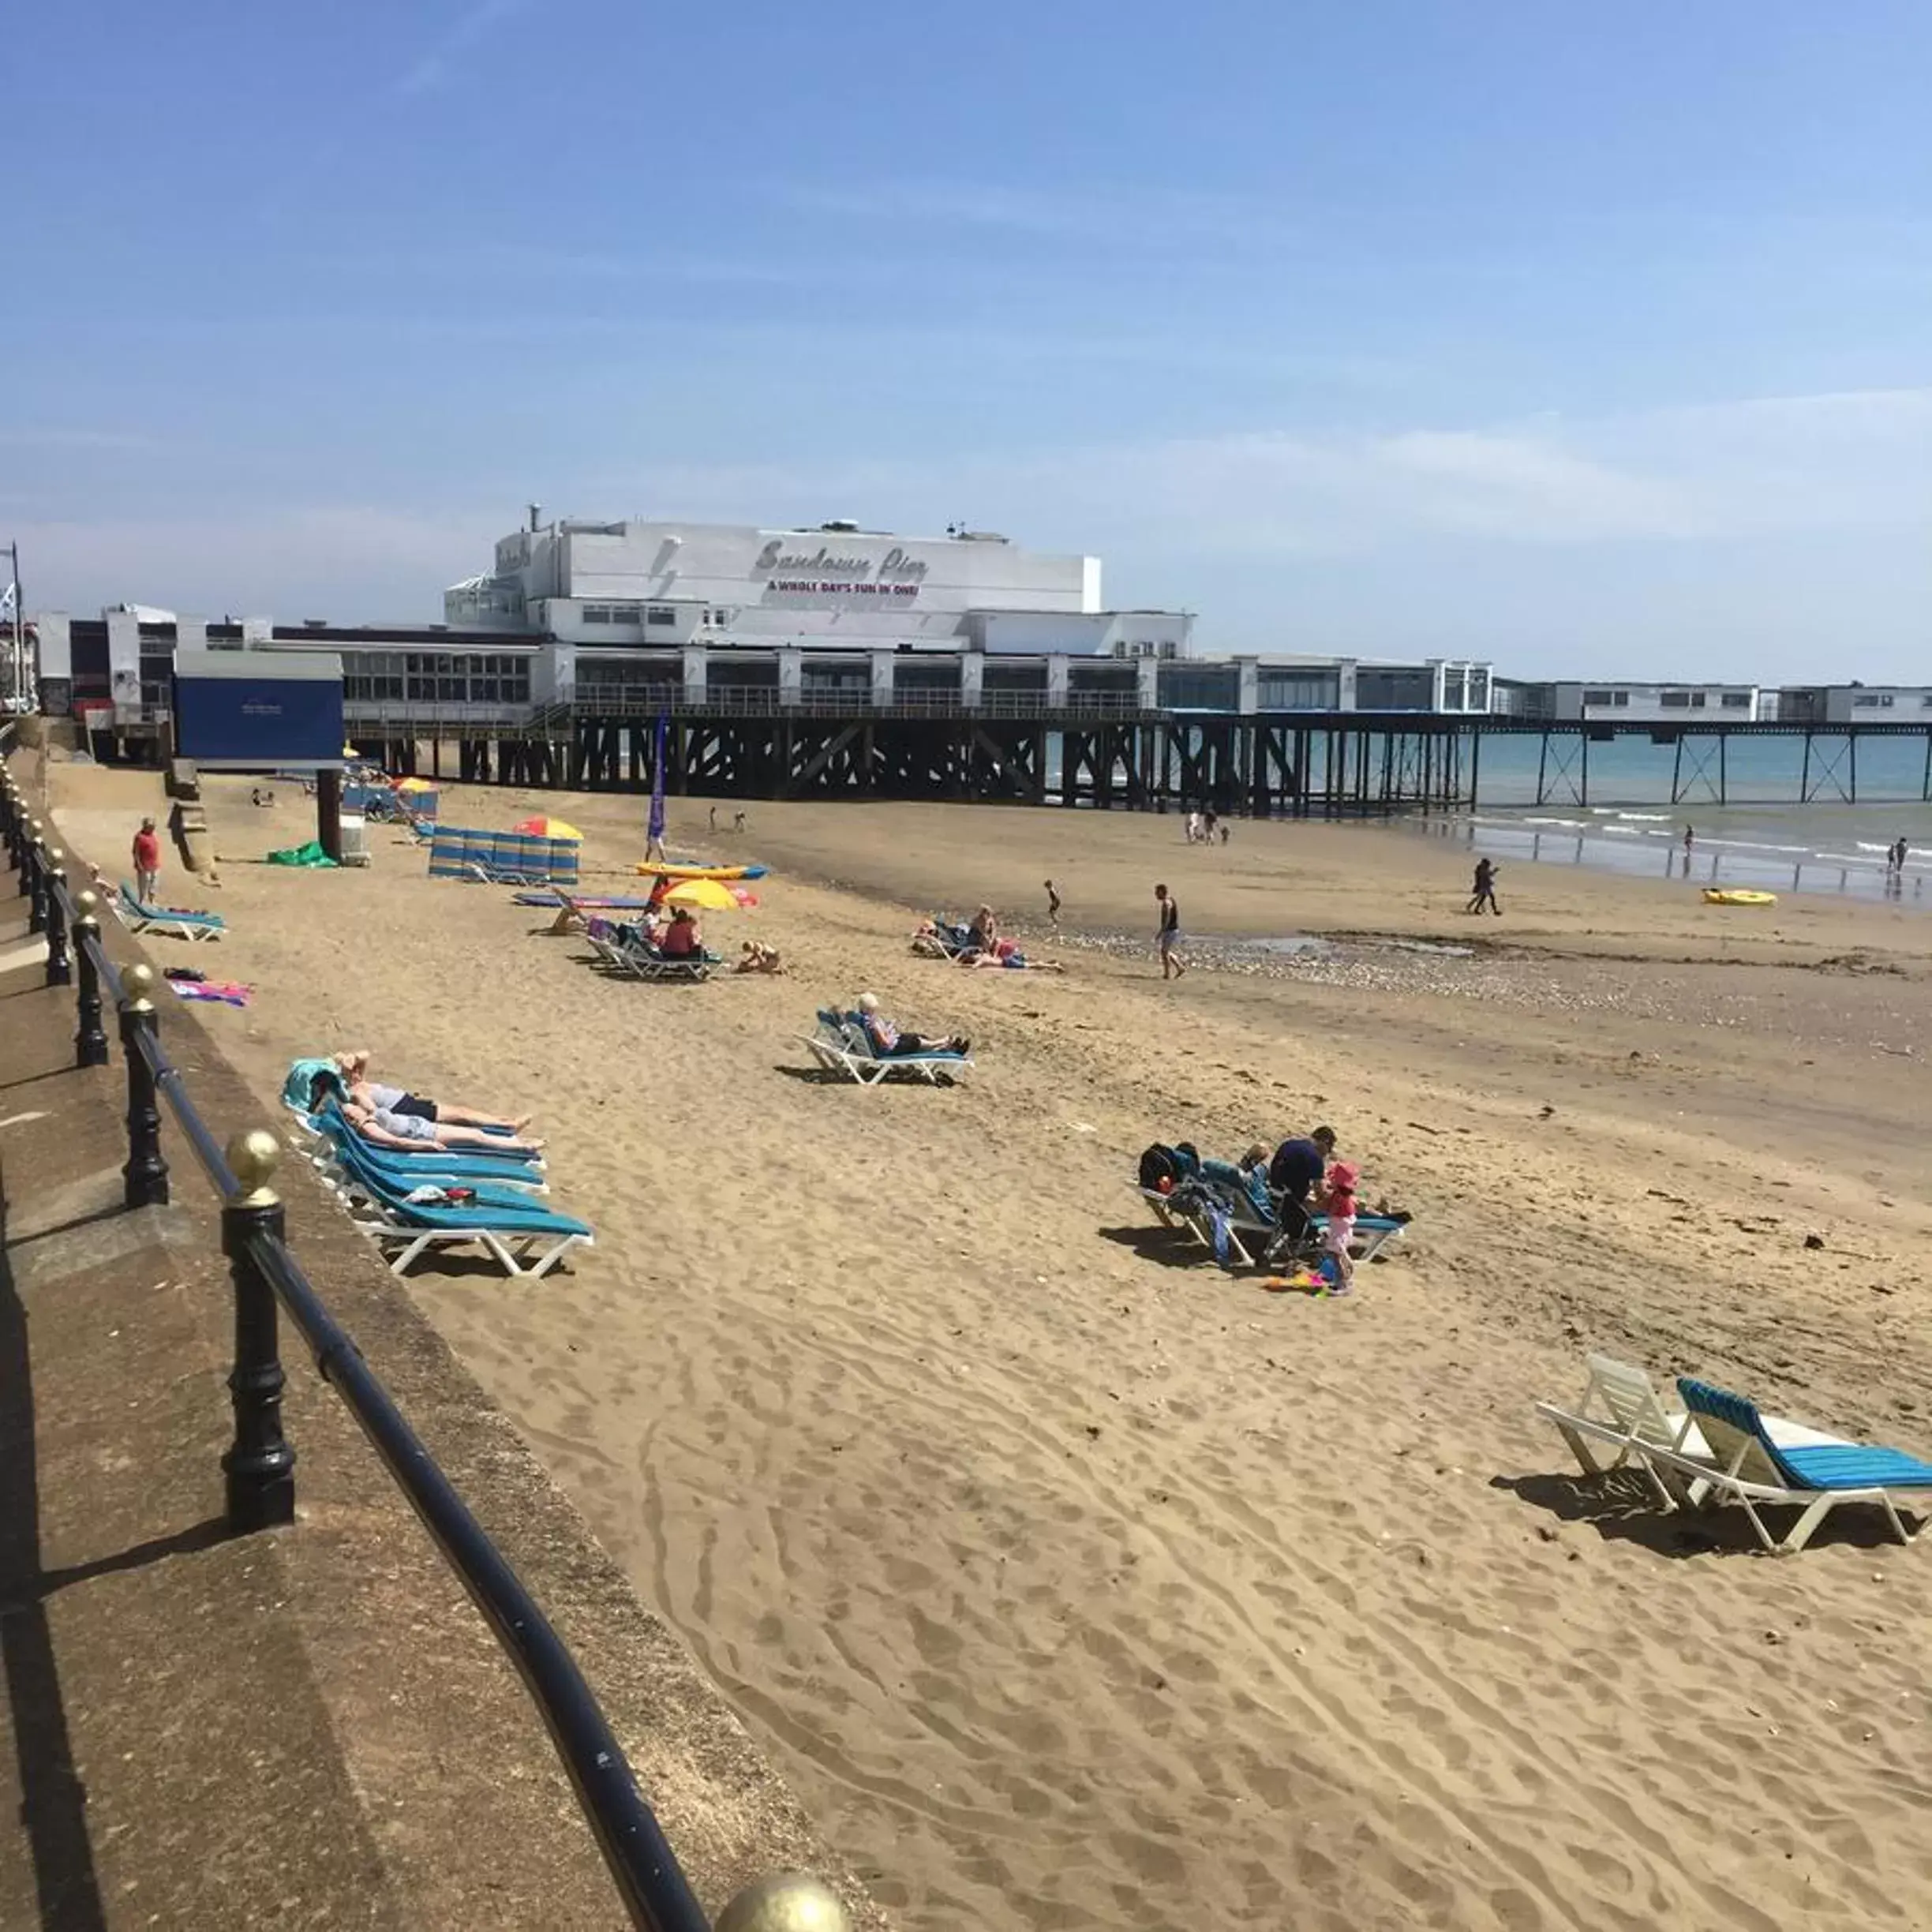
[824, 570]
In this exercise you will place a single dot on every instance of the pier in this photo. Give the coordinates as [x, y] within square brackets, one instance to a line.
[1103, 752]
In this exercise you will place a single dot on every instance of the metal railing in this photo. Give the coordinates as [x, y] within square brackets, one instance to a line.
[258, 1466]
[369, 719]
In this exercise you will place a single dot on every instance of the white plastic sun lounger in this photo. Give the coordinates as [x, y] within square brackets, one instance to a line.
[839, 1047]
[1620, 1419]
[1755, 1466]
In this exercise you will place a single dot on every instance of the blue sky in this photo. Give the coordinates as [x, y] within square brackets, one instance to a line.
[1577, 337]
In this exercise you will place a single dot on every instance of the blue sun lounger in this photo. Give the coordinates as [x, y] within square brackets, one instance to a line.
[333, 1140]
[166, 919]
[521, 1238]
[1749, 1466]
[842, 1045]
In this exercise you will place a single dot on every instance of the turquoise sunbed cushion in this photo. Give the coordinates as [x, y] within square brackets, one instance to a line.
[1856, 1467]
[1840, 1465]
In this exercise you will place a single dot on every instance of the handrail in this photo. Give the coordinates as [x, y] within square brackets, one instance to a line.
[645, 1871]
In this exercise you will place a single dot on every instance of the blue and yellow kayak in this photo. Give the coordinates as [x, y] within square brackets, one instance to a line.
[677, 869]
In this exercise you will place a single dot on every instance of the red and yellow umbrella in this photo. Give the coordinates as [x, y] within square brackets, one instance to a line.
[549, 828]
[707, 896]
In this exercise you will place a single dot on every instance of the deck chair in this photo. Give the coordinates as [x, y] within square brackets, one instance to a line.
[522, 1238]
[354, 1169]
[1751, 1466]
[646, 962]
[334, 1148]
[842, 1045]
[195, 926]
[329, 1122]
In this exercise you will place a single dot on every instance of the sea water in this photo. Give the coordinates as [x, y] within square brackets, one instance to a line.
[1767, 836]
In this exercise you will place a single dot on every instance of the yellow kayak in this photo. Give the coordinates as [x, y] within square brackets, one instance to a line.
[1713, 896]
[658, 868]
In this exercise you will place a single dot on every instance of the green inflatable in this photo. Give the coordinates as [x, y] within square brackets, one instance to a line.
[310, 855]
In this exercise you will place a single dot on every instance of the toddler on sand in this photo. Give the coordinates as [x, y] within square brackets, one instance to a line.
[1339, 1203]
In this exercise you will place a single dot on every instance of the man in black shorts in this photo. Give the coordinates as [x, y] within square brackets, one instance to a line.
[1173, 966]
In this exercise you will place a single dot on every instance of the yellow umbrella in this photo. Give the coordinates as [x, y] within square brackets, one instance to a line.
[707, 896]
[413, 785]
[549, 828]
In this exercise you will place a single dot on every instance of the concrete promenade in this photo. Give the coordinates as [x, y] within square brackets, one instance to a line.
[310, 1727]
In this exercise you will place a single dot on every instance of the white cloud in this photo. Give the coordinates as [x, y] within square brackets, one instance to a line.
[1747, 520]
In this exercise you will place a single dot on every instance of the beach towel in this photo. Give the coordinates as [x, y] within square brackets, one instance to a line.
[300, 1079]
[223, 992]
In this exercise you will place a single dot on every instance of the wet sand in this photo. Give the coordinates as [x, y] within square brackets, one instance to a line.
[1076, 1584]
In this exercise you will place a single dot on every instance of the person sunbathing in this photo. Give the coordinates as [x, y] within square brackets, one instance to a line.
[1006, 953]
[890, 1044]
[410, 1133]
[379, 1098]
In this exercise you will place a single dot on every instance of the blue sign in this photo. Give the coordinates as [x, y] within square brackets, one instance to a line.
[267, 722]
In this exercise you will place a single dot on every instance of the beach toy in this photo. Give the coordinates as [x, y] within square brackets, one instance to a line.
[1736, 896]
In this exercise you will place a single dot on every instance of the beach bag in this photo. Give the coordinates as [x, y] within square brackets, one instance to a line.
[1174, 1165]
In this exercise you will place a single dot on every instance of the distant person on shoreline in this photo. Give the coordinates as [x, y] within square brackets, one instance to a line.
[147, 856]
[1690, 840]
[1483, 893]
[1193, 828]
[1173, 966]
[1896, 857]
[1053, 906]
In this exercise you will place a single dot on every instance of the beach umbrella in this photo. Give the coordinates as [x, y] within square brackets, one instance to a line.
[549, 828]
[707, 896]
[413, 785]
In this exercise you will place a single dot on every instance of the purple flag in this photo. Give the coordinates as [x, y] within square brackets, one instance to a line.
[656, 831]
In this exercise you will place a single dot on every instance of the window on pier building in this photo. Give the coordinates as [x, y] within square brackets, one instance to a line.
[660, 614]
[1597, 697]
[1737, 700]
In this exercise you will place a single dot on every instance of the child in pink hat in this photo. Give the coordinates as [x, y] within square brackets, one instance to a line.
[1339, 1202]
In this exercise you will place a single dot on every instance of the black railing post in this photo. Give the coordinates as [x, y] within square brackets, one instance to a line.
[9, 819]
[33, 882]
[260, 1464]
[59, 964]
[90, 1036]
[146, 1173]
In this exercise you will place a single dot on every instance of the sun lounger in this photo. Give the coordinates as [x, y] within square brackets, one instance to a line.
[352, 1170]
[525, 1242]
[1620, 1419]
[841, 1045]
[1248, 1234]
[646, 962]
[339, 1151]
[195, 926]
[1752, 1467]
[330, 1122]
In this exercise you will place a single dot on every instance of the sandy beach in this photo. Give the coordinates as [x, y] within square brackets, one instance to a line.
[1077, 1584]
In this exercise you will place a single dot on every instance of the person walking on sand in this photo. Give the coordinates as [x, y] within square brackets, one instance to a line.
[1053, 907]
[147, 855]
[1690, 840]
[1484, 891]
[1173, 966]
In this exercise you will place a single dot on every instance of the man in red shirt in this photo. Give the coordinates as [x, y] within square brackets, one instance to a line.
[147, 862]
